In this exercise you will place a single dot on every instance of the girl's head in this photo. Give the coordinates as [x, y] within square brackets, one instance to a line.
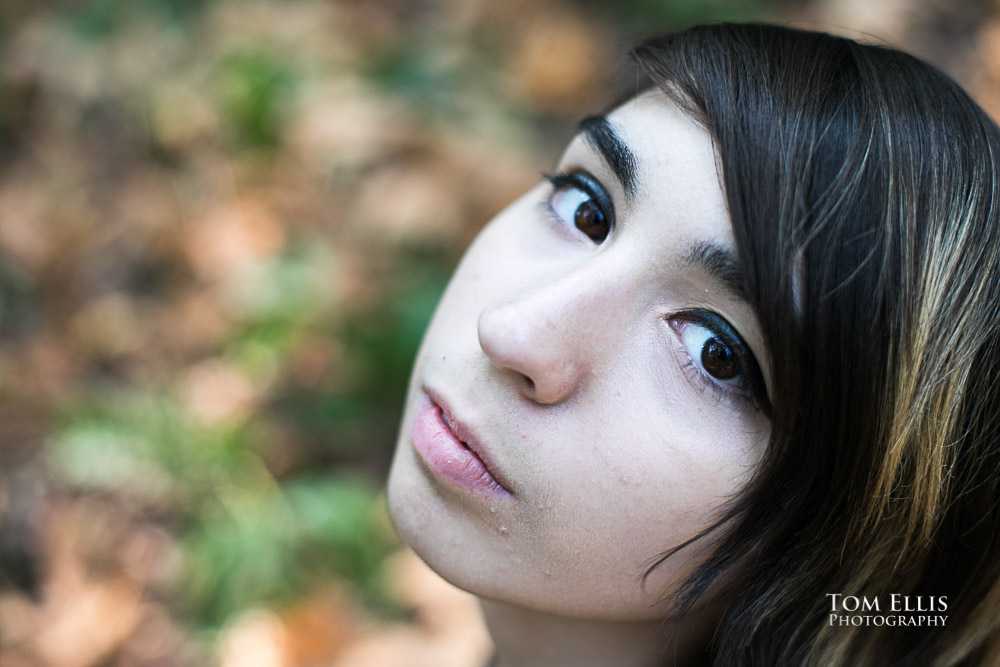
[740, 347]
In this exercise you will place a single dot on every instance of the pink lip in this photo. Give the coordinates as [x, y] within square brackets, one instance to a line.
[451, 451]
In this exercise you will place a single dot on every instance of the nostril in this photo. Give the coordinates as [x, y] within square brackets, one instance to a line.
[530, 383]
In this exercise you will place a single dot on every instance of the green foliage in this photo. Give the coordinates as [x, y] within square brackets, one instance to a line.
[98, 19]
[339, 528]
[94, 20]
[656, 15]
[146, 446]
[409, 69]
[271, 544]
[256, 88]
[294, 288]
[247, 537]
[388, 337]
[380, 341]
[16, 297]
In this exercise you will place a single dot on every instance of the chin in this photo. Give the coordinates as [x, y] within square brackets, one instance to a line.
[405, 509]
[423, 521]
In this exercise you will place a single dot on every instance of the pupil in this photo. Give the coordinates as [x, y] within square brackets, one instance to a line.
[590, 220]
[718, 360]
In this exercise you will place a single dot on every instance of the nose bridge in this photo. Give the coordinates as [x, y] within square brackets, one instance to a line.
[552, 333]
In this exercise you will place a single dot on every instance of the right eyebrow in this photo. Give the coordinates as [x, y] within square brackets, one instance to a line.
[721, 265]
[602, 136]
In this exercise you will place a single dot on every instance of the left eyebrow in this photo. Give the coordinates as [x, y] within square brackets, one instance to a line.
[721, 264]
[601, 134]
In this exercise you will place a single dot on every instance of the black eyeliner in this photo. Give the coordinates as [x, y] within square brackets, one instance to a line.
[587, 183]
[752, 375]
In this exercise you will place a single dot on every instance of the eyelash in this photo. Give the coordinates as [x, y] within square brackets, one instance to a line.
[590, 186]
[751, 390]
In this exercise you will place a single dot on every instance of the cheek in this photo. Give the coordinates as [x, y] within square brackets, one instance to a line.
[510, 253]
[473, 284]
[627, 484]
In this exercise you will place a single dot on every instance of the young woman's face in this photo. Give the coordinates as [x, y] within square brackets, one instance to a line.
[588, 393]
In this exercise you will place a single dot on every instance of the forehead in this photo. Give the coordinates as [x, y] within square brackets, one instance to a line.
[677, 168]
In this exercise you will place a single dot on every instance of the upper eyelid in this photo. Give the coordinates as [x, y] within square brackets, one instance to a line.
[592, 184]
[581, 155]
[585, 181]
[712, 321]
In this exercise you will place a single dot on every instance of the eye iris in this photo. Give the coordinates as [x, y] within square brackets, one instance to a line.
[590, 220]
[718, 360]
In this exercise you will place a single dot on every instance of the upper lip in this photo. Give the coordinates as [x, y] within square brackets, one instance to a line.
[466, 435]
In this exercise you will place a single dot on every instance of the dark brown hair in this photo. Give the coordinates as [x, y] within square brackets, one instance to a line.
[862, 186]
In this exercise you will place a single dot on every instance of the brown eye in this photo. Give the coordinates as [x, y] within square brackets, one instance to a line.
[579, 201]
[714, 349]
[590, 220]
[718, 356]
[718, 360]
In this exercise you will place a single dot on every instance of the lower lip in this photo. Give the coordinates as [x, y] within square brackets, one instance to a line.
[447, 457]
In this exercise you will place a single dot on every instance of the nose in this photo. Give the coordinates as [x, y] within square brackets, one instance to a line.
[548, 338]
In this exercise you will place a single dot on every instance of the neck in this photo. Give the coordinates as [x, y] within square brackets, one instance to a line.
[528, 638]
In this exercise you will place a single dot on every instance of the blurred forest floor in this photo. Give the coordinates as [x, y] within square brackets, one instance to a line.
[223, 227]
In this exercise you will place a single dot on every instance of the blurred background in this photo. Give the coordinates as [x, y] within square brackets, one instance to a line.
[223, 227]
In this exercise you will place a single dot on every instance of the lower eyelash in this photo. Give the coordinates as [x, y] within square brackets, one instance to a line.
[547, 212]
[545, 209]
[705, 384]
